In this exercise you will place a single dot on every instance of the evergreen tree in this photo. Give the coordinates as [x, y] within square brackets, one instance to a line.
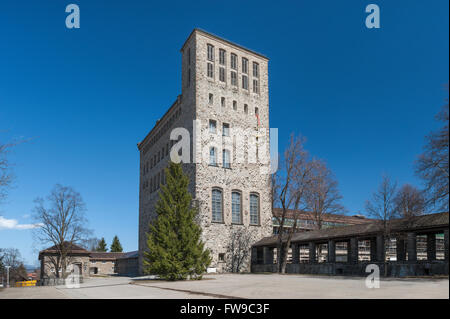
[116, 247]
[102, 245]
[175, 251]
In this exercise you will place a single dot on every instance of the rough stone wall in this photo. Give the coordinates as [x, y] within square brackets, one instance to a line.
[194, 103]
[244, 177]
[104, 267]
[48, 270]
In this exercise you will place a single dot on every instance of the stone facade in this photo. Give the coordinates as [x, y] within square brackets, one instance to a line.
[205, 97]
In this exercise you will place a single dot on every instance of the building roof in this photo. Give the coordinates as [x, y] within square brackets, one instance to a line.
[209, 34]
[335, 218]
[129, 255]
[74, 250]
[418, 223]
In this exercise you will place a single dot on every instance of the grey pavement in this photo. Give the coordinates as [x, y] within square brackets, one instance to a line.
[271, 286]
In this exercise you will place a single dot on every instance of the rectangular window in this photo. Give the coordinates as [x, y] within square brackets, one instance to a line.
[222, 57]
[233, 78]
[254, 209]
[210, 70]
[226, 129]
[222, 101]
[255, 69]
[226, 159]
[211, 99]
[217, 205]
[255, 86]
[212, 157]
[244, 65]
[222, 74]
[210, 52]
[233, 64]
[212, 126]
[236, 208]
[245, 82]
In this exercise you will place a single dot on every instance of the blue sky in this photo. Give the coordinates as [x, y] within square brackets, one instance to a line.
[364, 98]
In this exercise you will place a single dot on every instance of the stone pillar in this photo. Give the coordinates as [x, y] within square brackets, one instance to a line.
[373, 249]
[254, 255]
[312, 252]
[268, 255]
[431, 247]
[381, 250]
[412, 247]
[331, 251]
[295, 253]
[400, 249]
[446, 244]
[352, 251]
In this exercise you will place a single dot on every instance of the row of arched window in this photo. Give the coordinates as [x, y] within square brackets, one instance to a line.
[236, 207]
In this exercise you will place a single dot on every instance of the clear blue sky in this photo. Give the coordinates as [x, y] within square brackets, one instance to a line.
[364, 98]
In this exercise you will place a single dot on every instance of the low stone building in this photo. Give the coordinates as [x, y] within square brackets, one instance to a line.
[84, 262]
[306, 248]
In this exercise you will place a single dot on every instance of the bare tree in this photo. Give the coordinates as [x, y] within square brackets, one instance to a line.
[90, 244]
[62, 224]
[432, 165]
[11, 257]
[382, 207]
[323, 196]
[238, 249]
[409, 202]
[288, 190]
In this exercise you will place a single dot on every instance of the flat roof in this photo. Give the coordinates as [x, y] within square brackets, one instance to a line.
[209, 34]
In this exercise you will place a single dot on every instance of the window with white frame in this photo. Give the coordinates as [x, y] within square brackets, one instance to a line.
[234, 78]
[210, 70]
[244, 82]
[212, 156]
[233, 63]
[226, 158]
[236, 211]
[225, 129]
[255, 70]
[212, 126]
[222, 74]
[210, 52]
[254, 209]
[222, 57]
[217, 206]
[255, 86]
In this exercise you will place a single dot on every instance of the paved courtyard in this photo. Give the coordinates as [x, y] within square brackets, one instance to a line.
[241, 286]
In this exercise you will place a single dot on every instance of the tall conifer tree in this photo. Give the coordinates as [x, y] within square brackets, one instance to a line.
[175, 250]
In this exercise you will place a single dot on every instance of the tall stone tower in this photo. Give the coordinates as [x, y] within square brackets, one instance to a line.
[223, 112]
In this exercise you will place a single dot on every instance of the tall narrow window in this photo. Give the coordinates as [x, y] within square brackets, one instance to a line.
[212, 126]
[234, 78]
[245, 108]
[210, 70]
[244, 65]
[255, 69]
[226, 158]
[226, 129]
[211, 99]
[244, 82]
[233, 64]
[217, 215]
[222, 101]
[235, 105]
[236, 213]
[255, 86]
[212, 157]
[222, 74]
[222, 57]
[254, 209]
[210, 52]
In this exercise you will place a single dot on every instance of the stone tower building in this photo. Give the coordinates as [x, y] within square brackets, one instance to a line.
[223, 112]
